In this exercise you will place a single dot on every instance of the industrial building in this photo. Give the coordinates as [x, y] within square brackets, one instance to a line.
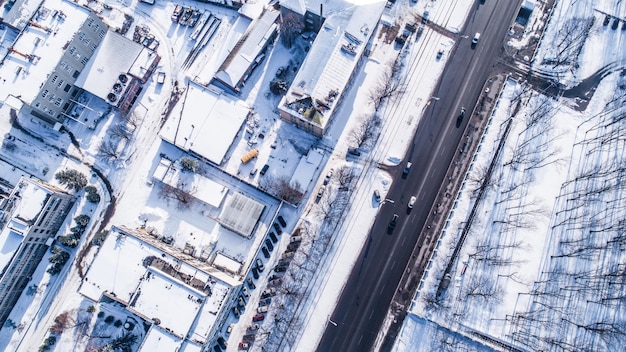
[343, 38]
[56, 51]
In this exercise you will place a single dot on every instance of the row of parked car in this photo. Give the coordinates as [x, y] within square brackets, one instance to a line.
[258, 267]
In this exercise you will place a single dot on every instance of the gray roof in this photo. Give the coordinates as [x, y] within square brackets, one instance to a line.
[247, 50]
[240, 214]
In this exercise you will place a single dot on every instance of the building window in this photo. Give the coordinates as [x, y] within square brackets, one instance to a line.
[102, 32]
[67, 88]
[60, 83]
[44, 93]
[84, 60]
[54, 78]
[67, 105]
[58, 102]
[51, 112]
[76, 73]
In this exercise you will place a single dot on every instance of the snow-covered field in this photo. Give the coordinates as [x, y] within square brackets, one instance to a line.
[540, 264]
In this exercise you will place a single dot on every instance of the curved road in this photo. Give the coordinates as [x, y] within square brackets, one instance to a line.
[363, 305]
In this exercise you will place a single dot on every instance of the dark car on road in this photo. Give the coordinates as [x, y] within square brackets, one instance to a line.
[460, 118]
[406, 170]
[266, 253]
[393, 222]
[273, 237]
[278, 228]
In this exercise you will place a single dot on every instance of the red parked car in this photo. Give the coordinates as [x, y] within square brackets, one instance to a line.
[258, 317]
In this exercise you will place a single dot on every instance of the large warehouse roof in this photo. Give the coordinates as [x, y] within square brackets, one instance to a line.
[208, 122]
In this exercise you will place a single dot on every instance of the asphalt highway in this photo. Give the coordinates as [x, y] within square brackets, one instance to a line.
[365, 300]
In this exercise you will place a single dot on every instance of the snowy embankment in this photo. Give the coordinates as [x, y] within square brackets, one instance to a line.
[504, 242]
[542, 264]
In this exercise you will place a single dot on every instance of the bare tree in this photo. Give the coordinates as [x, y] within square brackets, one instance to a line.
[132, 119]
[184, 199]
[290, 28]
[364, 131]
[388, 85]
[108, 150]
[120, 132]
[484, 288]
[570, 39]
[282, 188]
[345, 176]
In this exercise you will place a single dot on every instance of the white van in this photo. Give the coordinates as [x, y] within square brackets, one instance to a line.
[476, 38]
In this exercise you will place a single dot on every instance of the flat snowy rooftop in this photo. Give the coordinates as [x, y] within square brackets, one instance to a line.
[158, 339]
[329, 64]
[207, 190]
[241, 214]
[114, 56]
[150, 282]
[172, 302]
[207, 124]
[308, 164]
[9, 243]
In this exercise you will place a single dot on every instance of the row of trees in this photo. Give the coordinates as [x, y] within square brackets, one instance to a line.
[283, 330]
[579, 301]
[119, 134]
[73, 238]
[316, 236]
[58, 259]
[75, 180]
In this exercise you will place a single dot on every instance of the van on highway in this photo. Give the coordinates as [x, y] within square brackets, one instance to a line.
[475, 39]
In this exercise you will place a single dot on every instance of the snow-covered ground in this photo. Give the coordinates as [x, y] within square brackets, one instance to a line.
[537, 268]
[550, 153]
